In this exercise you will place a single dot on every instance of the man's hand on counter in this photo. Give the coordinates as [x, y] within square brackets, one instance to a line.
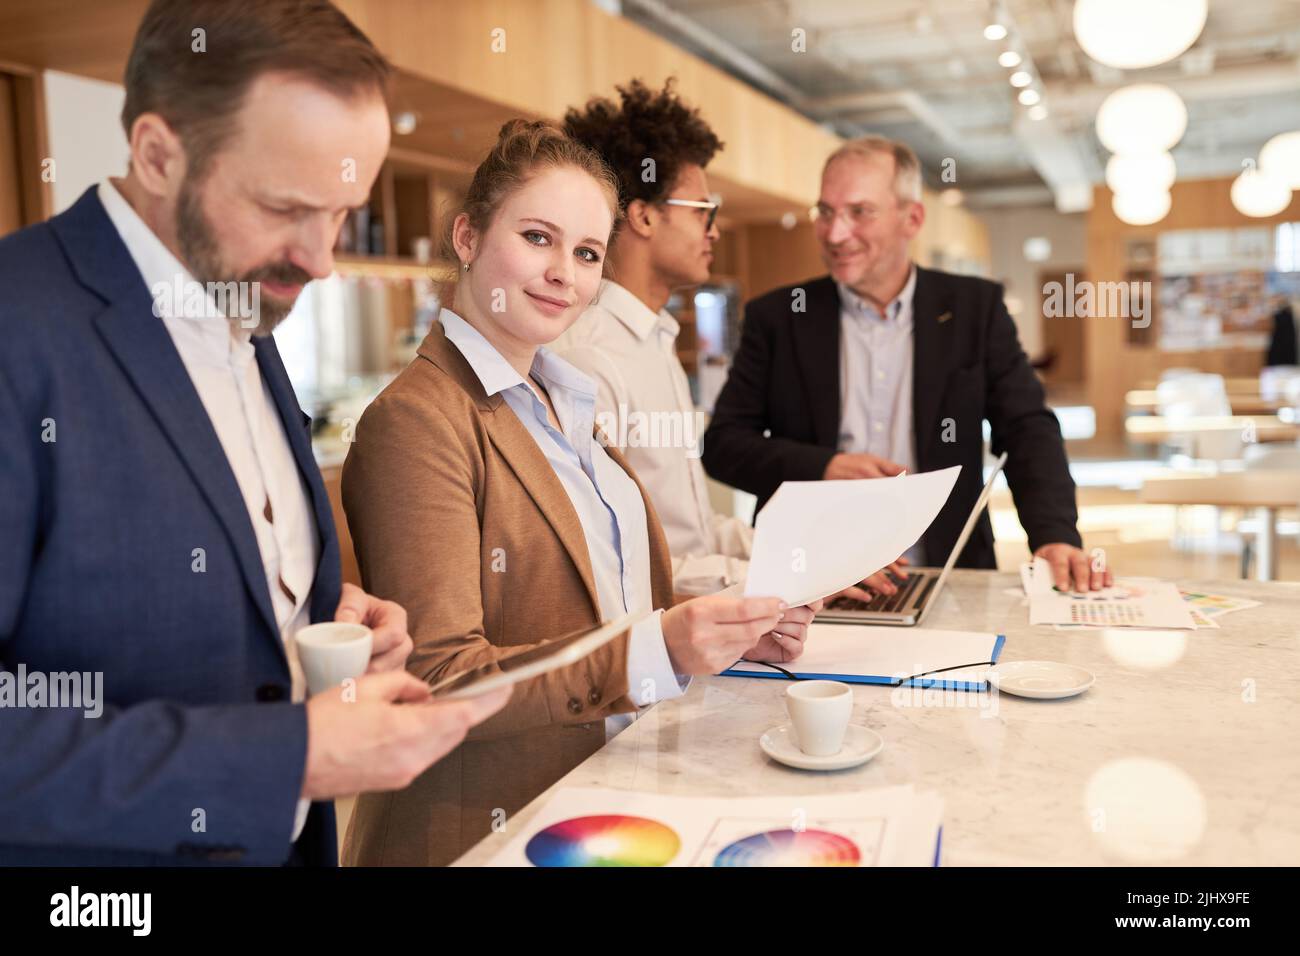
[1073, 569]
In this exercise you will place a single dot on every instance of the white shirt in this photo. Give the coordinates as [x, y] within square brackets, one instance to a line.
[644, 408]
[609, 504]
[876, 381]
[219, 357]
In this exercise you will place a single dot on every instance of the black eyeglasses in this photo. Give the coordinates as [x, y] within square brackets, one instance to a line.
[712, 207]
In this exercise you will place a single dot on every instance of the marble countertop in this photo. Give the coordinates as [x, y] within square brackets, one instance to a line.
[1186, 750]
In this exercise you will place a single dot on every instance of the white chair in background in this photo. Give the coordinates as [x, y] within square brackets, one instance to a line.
[1185, 394]
[1280, 382]
[1259, 534]
[1190, 395]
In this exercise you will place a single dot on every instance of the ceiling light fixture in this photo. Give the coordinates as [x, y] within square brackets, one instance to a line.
[1280, 158]
[1132, 34]
[1142, 118]
[1259, 195]
[1141, 208]
[1133, 172]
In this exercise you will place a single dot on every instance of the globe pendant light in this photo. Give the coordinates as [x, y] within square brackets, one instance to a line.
[1141, 208]
[1258, 194]
[1142, 118]
[1280, 159]
[1132, 34]
[1134, 172]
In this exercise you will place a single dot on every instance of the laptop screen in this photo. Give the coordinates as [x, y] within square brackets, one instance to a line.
[973, 517]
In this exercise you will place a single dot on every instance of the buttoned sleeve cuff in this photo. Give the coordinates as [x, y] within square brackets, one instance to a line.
[650, 676]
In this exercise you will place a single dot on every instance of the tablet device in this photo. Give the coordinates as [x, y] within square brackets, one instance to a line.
[530, 663]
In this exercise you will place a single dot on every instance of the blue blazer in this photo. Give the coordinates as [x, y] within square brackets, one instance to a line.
[111, 479]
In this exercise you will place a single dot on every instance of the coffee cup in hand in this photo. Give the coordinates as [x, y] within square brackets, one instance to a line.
[333, 652]
[820, 711]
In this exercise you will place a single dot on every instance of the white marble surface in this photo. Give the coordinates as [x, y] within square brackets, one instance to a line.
[1185, 751]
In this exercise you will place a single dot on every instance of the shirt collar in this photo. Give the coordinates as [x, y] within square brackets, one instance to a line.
[902, 302]
[495, 374]
[632, 312]
[160, 269]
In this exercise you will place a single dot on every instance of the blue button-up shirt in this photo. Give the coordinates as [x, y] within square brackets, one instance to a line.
[607, 500]
[876, 381]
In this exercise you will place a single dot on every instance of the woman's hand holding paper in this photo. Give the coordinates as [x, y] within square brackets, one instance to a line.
[785, 641]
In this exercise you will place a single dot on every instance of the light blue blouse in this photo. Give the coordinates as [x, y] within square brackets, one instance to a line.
[607, 500]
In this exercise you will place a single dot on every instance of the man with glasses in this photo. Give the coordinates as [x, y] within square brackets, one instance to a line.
[884, 366]
[658, 147]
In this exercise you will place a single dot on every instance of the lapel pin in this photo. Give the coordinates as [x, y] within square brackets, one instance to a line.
[945, 317]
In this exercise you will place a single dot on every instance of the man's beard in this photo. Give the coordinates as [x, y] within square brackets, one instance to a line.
[198, 246]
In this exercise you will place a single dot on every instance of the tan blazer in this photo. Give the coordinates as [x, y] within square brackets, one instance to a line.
[457, 515]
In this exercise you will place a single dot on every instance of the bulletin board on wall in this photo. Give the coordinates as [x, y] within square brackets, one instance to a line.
[1219, 288]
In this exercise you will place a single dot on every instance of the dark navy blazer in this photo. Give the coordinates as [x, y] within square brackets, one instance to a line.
[111, 478]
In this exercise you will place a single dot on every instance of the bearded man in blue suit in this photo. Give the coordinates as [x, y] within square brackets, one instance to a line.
[163, 526]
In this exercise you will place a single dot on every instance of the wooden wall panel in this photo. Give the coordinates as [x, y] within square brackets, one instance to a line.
[558, 53]
[11, 198]
[33, 147]
[25, 197]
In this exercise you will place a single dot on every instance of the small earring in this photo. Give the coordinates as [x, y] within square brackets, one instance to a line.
[466, 266]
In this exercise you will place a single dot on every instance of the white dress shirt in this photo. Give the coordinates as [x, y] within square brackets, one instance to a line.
[876, 381]
[644, 408]
[609, 504]
[219, 356]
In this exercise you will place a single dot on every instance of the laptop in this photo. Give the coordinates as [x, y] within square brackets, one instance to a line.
[918, 593]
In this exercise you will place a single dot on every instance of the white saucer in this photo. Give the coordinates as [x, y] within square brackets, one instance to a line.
[1043, 680]
[860, 745]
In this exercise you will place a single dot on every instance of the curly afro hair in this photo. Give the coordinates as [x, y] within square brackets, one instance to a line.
[649, 124]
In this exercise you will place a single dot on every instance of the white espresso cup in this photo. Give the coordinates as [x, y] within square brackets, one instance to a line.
[332, 652]
[820, 711]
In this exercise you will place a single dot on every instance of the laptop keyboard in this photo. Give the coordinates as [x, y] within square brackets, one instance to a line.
[885, 602]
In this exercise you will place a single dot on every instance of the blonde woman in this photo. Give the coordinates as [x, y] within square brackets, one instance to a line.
[480, 497]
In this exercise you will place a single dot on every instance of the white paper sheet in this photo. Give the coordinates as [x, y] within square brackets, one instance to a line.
[866, 650]
[889, 826]
[814, 538]
[1131, 602]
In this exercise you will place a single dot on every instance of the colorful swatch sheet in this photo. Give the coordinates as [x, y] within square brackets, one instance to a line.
[1205, 608]
[1130, 602]
[787, 847]
[582, 827]
[609, 840]
[1215, 605]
